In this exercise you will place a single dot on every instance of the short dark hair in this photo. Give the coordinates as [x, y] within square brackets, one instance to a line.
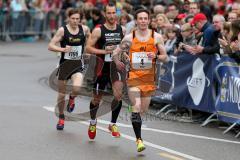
[110, 4]
[96, 12]
[172, 4]
[72, 11]
[140, 11]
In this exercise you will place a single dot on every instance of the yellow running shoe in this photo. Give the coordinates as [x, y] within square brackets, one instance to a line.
[114, 130]
[140, 145]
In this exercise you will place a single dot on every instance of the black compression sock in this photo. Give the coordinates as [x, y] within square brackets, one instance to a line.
[61, 116]
[137, 124]
[93, 111]
[116, 108]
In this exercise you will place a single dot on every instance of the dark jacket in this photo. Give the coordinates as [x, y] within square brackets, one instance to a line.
[210, 39]
[235, 56]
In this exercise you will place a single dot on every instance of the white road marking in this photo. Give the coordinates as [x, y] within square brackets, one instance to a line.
[149, 144]
[169, 156]
[51, 109]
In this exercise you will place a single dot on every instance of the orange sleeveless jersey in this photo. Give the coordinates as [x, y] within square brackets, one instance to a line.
[142, 69]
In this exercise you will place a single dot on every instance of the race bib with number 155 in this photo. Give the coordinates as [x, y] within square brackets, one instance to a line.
[74, 54]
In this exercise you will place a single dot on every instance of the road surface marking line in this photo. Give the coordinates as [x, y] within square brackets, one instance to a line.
[169, 156]
[173, 133]
[148, 144]
[52, 109]
[134, 140]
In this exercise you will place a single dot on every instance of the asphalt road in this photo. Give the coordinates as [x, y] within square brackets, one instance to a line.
[28, 123]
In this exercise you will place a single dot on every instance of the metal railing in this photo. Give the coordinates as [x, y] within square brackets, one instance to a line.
[29, 24]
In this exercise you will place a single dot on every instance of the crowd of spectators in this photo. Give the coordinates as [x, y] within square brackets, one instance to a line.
[197, 26]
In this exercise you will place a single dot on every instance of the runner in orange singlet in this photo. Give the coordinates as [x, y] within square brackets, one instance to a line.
[142, 73]
[145, 47]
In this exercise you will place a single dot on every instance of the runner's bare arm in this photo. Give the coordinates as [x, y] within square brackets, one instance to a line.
[91, 42]
[163, 57]
[86, 31]
[119, 49]
[118, 52]
[52, 46]
[87, 34]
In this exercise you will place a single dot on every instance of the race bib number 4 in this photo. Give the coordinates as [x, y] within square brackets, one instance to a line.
[140, 60]
[74, 54]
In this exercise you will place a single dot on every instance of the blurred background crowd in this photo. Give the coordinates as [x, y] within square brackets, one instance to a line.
[213, 24]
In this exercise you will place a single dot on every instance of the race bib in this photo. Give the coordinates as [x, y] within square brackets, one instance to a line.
[74, 54]
[108, 58]
[140, 60]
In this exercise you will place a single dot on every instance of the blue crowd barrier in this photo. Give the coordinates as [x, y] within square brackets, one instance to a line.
[188, 82]
[204, 82]
[228, 99]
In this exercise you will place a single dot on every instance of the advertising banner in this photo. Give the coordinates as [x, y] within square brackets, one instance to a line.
[228, 98]
[187, 81]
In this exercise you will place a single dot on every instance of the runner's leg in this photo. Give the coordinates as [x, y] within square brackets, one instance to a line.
[117, 102]
[145, 102]
[116, 108]
[135, 98]
[77, 80]
[61, 96]
[94, 105]
[61, 103]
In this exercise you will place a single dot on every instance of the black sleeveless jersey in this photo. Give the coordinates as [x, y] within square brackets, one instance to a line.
[77, 43]
[109, 37]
